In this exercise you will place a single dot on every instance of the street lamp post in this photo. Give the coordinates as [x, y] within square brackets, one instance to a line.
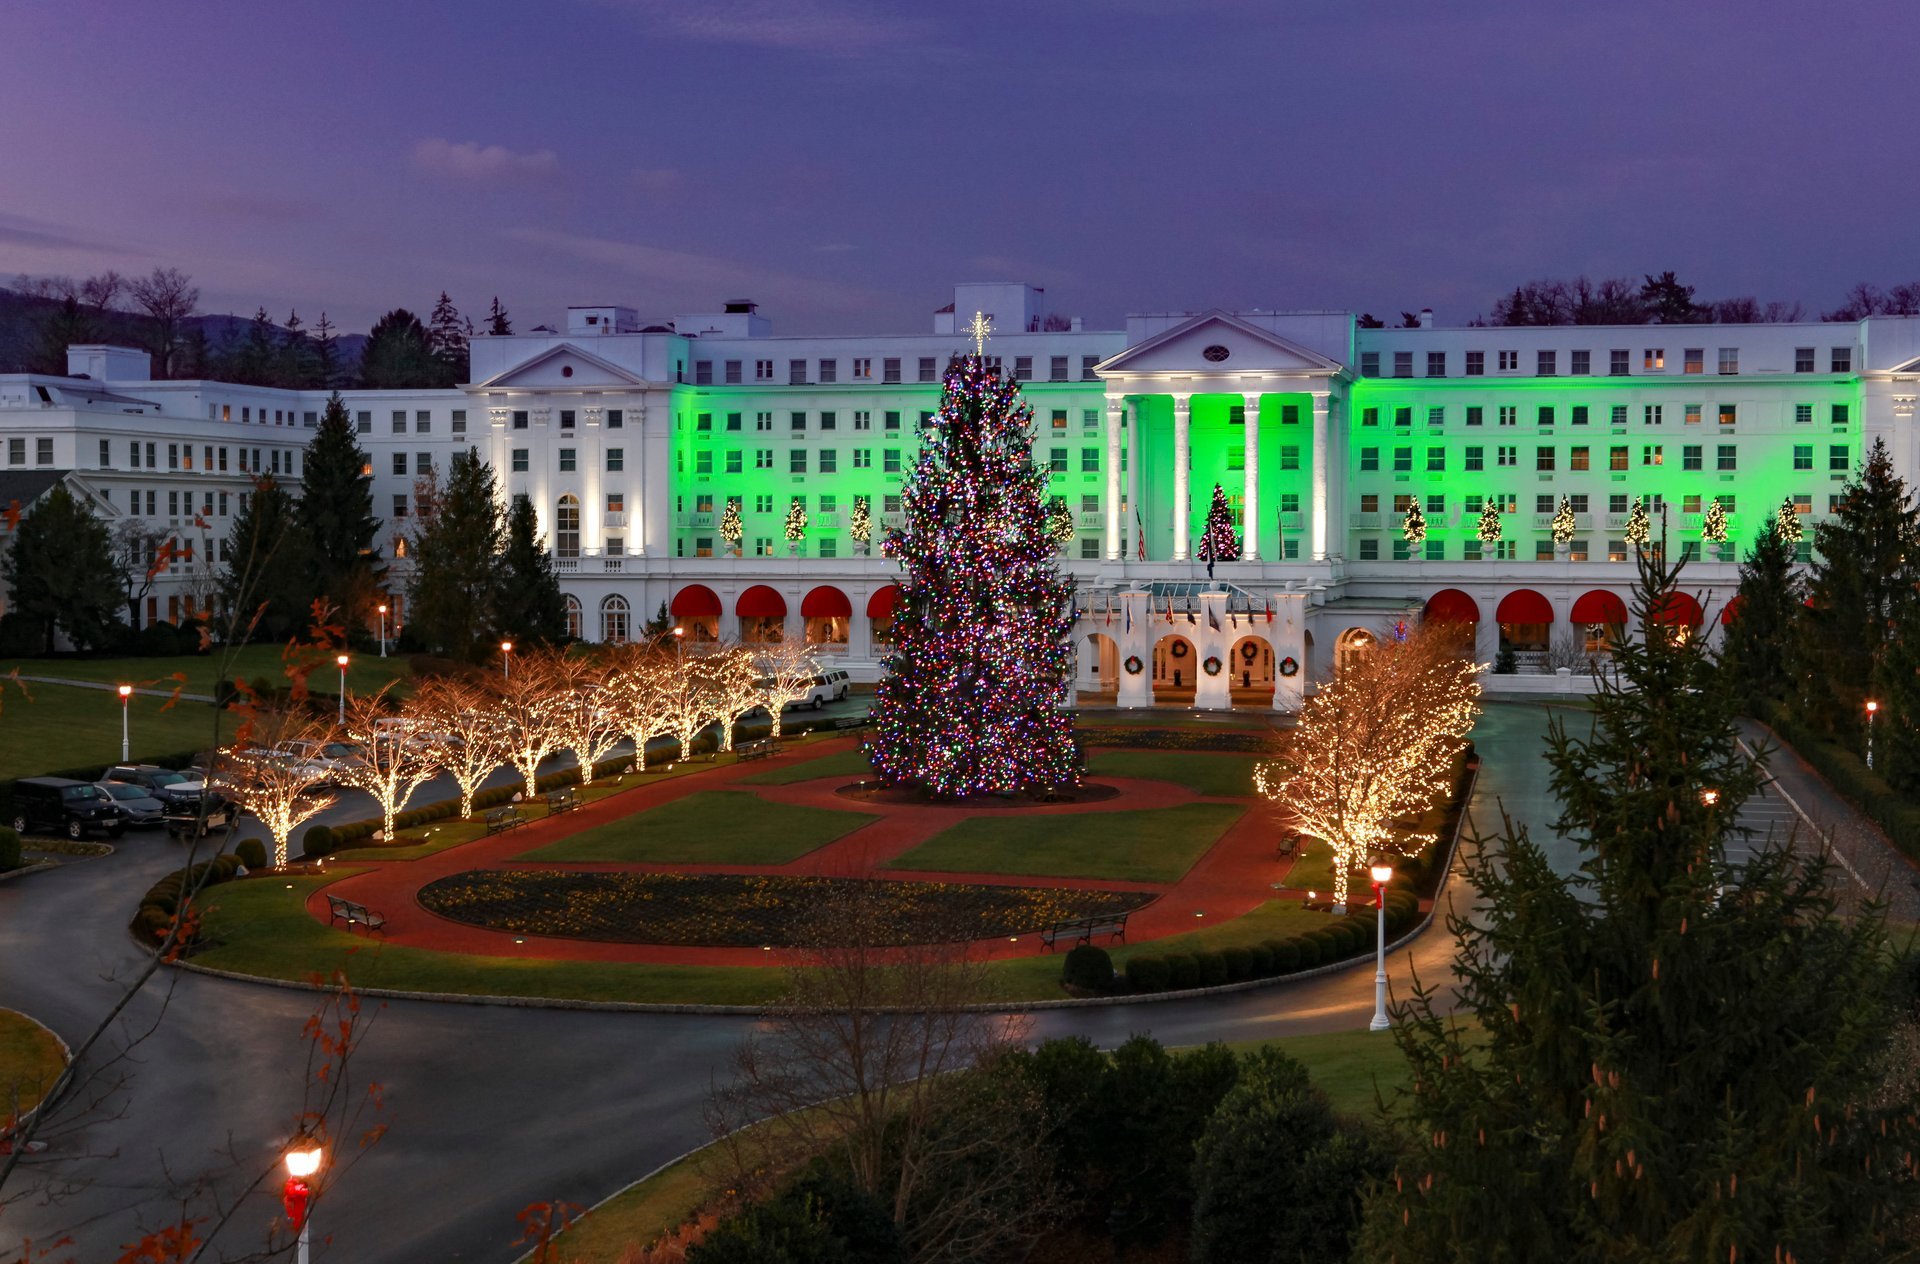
[679, 643]
[383, 629]
[1873, 708]
[506, 666]
[342, 661]
[1382, 874]
[303, 1160]
[126, 692]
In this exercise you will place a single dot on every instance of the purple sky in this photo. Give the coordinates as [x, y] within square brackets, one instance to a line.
[844, 161]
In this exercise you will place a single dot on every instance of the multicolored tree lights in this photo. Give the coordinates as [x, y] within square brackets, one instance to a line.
[971, 701]
[1219, 543]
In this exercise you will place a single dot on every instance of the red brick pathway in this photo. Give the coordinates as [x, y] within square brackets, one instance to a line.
[1233, 877]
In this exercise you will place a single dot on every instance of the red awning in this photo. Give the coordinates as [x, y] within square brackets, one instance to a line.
[1450, 605]
[695, 600]
[826, 602]
[1677, 610]
[1523, 605]
[881, 604]
[1731, 610]
[1599, 606]
[761, 602]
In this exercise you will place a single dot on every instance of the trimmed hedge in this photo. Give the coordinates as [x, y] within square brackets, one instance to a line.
[1342, 939]
[252, 853]
[9, 849]
[1089, 968]
[154, 918]
[1148, 974]
[1847, 773]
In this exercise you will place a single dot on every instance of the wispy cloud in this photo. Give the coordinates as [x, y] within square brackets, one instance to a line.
[812, 26]
[470, 160]
[33, 234]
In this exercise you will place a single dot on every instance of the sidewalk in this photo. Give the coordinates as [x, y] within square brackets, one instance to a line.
[110, 688]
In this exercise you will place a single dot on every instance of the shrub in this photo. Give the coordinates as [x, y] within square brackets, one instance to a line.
[1286, 955]
[9, 849]
[251, 852]
[319, 840]
[1183, 971]
[1239, 963]
[1259, 961]
[225, 865]
[1332, 943]
[152, 922]
[1149, 974]
[1089, 968]
[1307, 951]
[1213, 968]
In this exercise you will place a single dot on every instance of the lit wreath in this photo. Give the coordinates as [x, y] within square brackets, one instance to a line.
[1178, 649]
[1249, 651]
[1211, 666]
[1289, 666]
[1133, 665]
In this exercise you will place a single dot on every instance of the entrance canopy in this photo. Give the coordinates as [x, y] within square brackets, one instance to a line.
[1678, 610]
[1599, 606]
[1524, 605]
[761, 602]
[1450, 605]
[695, 600]
[826, 602]
[881, 604]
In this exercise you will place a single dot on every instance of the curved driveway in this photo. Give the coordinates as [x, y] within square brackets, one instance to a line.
[491, 1108]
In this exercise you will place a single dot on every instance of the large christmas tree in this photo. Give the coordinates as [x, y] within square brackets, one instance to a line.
[1219, 543]
[971, 700]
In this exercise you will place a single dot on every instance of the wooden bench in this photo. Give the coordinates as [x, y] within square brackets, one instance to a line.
[562, 800]
[354, 914]
[760, 748]
[1082, 930]
[500, 820]
[1289, 842]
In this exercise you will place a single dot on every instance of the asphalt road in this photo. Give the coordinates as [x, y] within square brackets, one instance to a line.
[491, 1108]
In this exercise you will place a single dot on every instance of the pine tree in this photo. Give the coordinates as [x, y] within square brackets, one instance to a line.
[1218, 543]
[530, 606]
[255, 361]
[1867, 555]
[1665, 1055]
[447, 337]
[1897, 688]
[398, 354]
[265, 580]
[497, 321]
[326, 355]
[336, 510]
[796, 523]
[1059, 523]
[60, 569]
[860, 523]
[1761, 629]
[296, 366]
[1414, 528]
[731, 529]
[1488, 530]
[982, 629]
[456, 563]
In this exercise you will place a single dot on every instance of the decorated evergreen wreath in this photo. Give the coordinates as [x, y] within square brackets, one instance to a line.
[1211, 666]
[1289, 666]
[1133, 665]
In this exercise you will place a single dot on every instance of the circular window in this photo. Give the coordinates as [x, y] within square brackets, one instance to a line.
[566, 370]
[1216, 353]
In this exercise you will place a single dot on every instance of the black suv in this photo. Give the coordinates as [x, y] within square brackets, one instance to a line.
[173, 789]
[73, 808]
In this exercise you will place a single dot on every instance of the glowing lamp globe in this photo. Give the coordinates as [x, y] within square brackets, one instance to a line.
[1382, 874]
[126, 691]
[304, 1161]
[1872, 707]
[342, 660]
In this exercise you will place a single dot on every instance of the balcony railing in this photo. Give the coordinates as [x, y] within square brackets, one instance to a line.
[614, 519]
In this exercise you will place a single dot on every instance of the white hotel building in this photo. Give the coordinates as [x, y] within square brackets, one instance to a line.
[630, 440]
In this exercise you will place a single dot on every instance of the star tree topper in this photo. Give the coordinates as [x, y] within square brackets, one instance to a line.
[980, 327]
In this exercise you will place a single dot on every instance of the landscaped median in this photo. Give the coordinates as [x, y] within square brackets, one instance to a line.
[31, 1059]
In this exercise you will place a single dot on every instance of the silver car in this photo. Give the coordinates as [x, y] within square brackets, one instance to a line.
[137, 806]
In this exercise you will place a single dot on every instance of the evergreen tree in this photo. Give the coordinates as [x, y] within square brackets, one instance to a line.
[265, 580]
[326, 355]
[796, 523]
[1218, 543]
[497, 321]
[398, 354]
[1766, 608]
[296, 370]
[257, 357]
[336, 511]
[456, 563]
[1488, 530]
[1896, 735]
[530, 606]
[731, 529]
[860, 522]
[1867, 558]
[1668, 302]
[1668, 1055]
[71, 323]
[447, 336]
[61, 572]
[971, 700]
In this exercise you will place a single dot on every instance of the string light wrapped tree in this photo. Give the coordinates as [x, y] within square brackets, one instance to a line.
[1218, 543]
[1639, 525]
[1564, 524]
[1489, 528]
[971, 702]
[1414, 529]
[796, 524]
[1787, 520]
[1060, 525]
[860, 523]
[1715, 527]
[730, 529]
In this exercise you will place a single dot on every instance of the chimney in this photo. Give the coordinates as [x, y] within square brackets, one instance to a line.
[1426, 318]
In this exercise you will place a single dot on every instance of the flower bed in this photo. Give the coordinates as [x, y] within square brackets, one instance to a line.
[1238, 740]
[745, 910]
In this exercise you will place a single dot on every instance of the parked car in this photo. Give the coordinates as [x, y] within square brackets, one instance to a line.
[170, 787]
[59, 805]
[327, 760]
[830, 687]
[137, 806]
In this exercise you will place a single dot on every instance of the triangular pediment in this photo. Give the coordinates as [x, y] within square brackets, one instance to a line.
[564, 367]
[1219, 344]
[1911, 366]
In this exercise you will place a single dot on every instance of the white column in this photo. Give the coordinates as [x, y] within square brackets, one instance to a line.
[1138, 525]
[644, 507]
[1320, 476]
[1182, 516]
[1115, 405]
[1250, 545]
[1135, 640]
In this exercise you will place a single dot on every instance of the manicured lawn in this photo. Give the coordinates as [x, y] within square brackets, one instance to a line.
[365, 672]
[720, 827]
[1153, 845]
[30, 1061]
[1204, 772]
[53, 727]
[851, 763]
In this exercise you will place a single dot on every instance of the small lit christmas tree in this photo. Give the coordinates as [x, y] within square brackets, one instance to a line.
[1060, 525]
[730, 529]
[1218, 543]
[1639, 525]
[1489, 529]
[860, 523]
[796, 524]
[1787, 519]
[1414, 529]
[1564, 524]
[1715, 528]
[982, 629]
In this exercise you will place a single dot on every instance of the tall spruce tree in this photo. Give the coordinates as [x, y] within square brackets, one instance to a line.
[1218, 543]
[498, 322]
[1867, 561]
[61, 573]
[456, 559]
[1754, 652]
[265, 582]
[529, 602]
[1896, 688]
[336, 511]
[326, 355]
[1670, 1056]
[447, 337]
[398, 354]
[971, 700]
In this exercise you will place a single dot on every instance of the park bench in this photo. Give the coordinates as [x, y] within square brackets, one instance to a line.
[1082, 930]
[354, 914]
[500, 820]
[1289, 842]
[760, 748]
[562, 800]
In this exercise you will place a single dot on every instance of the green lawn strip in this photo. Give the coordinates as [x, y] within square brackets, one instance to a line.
[1203, 772]
[262, 928]
[850, 763]
[365, 672]
[30, 1060]
[1151, 845]
[720, 827]
[56, 727]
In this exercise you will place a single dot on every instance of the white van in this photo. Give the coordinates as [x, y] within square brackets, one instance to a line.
[831, 687]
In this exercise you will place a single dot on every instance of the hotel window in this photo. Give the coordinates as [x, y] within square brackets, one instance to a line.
[16, 452]
[926, 419]
[735, 460]
[1803, 504]
[828, 419]
[1617, 457]
[1690, 456]
[892, 420]
[1436, 416]
[1474, 459]
[1403, 460]
[1725, 459]
[763, 421]
[763, 458]
[1402, 551]
[829, 370]
[1842, 360]
[702, 463]
[457, 421]
[890, 369]
[1090, 419]
[1507, 457]
[796, 373]
[862, 419]
[1582, 363]
[703, 373]
[1509, 361]
[1545, 362]
[1509, 415]
[733, 373]
[1476, 415]
[1837, 458]
[1236, 414]
[1803, 456]
[1543, 549]
[399, 421]
[829, 461]
[1436, 460]
[1436, 364]
[763, 370]
[1803, 359]
[1370, 549]
[1403, 364]
[1023, 368]
[1403, 416]
[616, 460]
[1619, 360]
[1057, 460]
[1579, 414]
[927, 371]
[1694, 360]
[1543, 460]
[399, 463]
[1727, 415]
[890, 461]
[1476, 363]
[1369, 460]
[796, 421]
[1652, 454]
[1653, 360]
[1579, 458]
[863, 369]
[1803, 414]
[1370, 503]
[1057, 368]
[520, 419]
[1545, 416]
[1729, 360]
[1289, 456]
[1087, 363]
[106, 454]
[362, 421]
[797, 461]
[1839, 414]
[1690, 504]
[1655, 414]
[399, 504]
[422, 422]
[733, 421]
[1090, 460]
[567, 463]
[1369, 364]
[1369, 416]
[863, 458]
[616, 419]
[1057, 420]
[702, 422]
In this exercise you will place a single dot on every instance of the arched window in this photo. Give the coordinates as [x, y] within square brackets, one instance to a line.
[575, 619]
[566, 527]
[614, 620]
